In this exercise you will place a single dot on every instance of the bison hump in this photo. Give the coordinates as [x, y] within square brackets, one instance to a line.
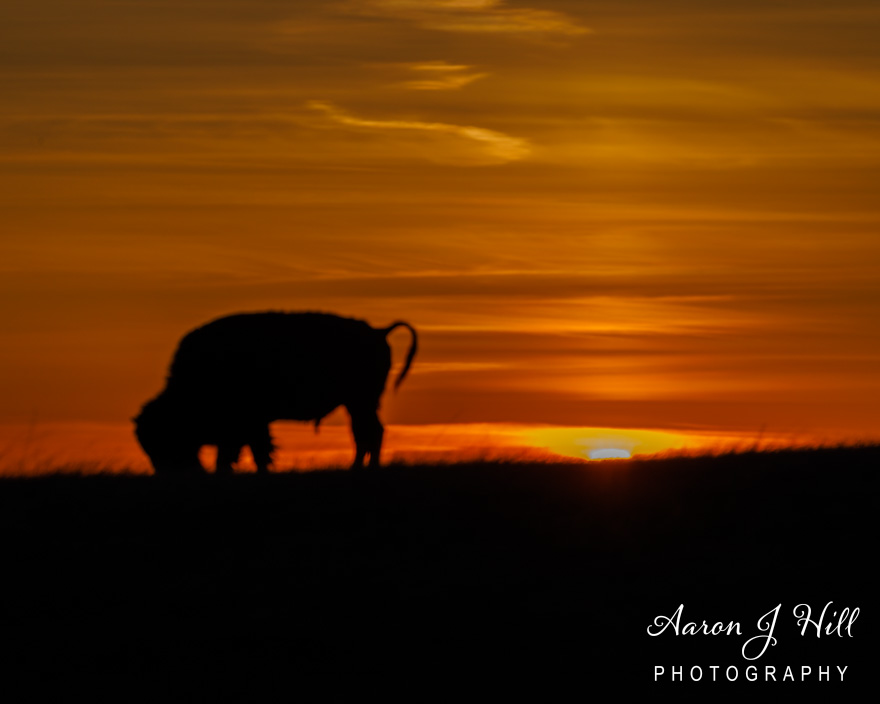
[289, 349]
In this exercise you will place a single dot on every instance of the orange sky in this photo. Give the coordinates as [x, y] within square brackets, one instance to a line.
[620, 215]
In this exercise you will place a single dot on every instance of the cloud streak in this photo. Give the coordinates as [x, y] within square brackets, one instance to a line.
[472, 16]
[492, 147]
[439, 75]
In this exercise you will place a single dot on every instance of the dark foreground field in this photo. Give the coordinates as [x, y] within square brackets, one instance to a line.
[505, 573]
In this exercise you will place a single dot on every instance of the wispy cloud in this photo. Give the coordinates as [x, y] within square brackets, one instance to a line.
[491, 16]
[439, 75]
[492, 147]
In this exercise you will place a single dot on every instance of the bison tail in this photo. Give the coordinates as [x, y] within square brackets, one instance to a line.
[414, 345]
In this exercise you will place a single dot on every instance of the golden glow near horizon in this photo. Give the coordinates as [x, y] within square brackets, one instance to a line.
[89, 448]
[614, 215]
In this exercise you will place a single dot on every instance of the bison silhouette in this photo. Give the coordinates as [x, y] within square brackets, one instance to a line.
[232, 377]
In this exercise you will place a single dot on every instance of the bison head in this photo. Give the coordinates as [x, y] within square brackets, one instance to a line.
[164, 434]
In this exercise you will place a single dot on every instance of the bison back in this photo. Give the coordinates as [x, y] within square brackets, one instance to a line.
[282, 365]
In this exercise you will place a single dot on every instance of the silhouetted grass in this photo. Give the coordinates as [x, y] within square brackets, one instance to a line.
[498, 566]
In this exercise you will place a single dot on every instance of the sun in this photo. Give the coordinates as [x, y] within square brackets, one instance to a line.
[608, 453]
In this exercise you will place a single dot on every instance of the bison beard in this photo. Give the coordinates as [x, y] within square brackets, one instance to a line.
[231, 378]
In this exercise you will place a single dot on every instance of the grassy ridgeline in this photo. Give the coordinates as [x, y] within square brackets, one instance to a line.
[555, 568]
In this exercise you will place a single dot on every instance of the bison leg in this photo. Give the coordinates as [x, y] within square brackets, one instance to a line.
[368, 431]
[378, 433]
[227, 453]
[262, 448]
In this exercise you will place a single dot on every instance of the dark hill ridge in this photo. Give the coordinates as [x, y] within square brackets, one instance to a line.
[559, 568]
